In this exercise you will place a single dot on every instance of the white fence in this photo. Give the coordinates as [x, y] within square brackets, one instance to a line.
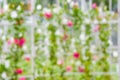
[32, 23]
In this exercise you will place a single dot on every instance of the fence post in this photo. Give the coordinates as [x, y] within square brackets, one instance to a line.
[90, 4]
[32, 39]
[32, 5]
[5, 5]
[57, 2]
[119, 35]
[32, 48]
[110, 5]
[83, 5]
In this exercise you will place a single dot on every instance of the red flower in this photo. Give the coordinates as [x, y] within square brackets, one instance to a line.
[70, 23]
[19, 71]
[76, 55]
[20, 42]
[94, 5]
[27, 59]
[48, 15]
[68, 68]
[22, 78]
[81, 69]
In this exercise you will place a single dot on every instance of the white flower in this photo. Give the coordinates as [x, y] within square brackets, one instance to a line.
[14, 14]
[58, 33]
[7, 64]
[78, 63]
[39, 7]
[5, 7]
[87, 20]
[24, 48]
[39, 31]
[115, 54]
[3, 75]
[20, 34]
[104, 20]
[3, 37]
[82, 37]
[72, 4]
[110, 42]
[93, 48]
[68, 1]
[19, 8]
[96, 21]
[64, 21]
[56, 10]
[72, 61]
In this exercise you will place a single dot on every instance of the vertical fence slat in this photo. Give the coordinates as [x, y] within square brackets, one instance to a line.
[119, 34]
[32, 48]
[32, 39]
[90, 4]
[5, 4]
[110, 5]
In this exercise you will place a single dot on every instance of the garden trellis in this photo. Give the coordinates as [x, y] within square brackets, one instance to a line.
[39, 38]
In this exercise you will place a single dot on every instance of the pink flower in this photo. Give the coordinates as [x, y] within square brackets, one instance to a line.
[95, 57]
[94, 5]
[19, 71]
[48, 15]
[70, 23]
[97, 28]
[9, 42]
[60, 62]
[27, 59]
[68, 68]
[81, 69]
[22, 78]
[1, 11]
[76, 55]
[16, 41]
[20, 42]
[65, 37]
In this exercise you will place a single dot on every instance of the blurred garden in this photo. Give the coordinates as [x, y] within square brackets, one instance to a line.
[59, 40]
